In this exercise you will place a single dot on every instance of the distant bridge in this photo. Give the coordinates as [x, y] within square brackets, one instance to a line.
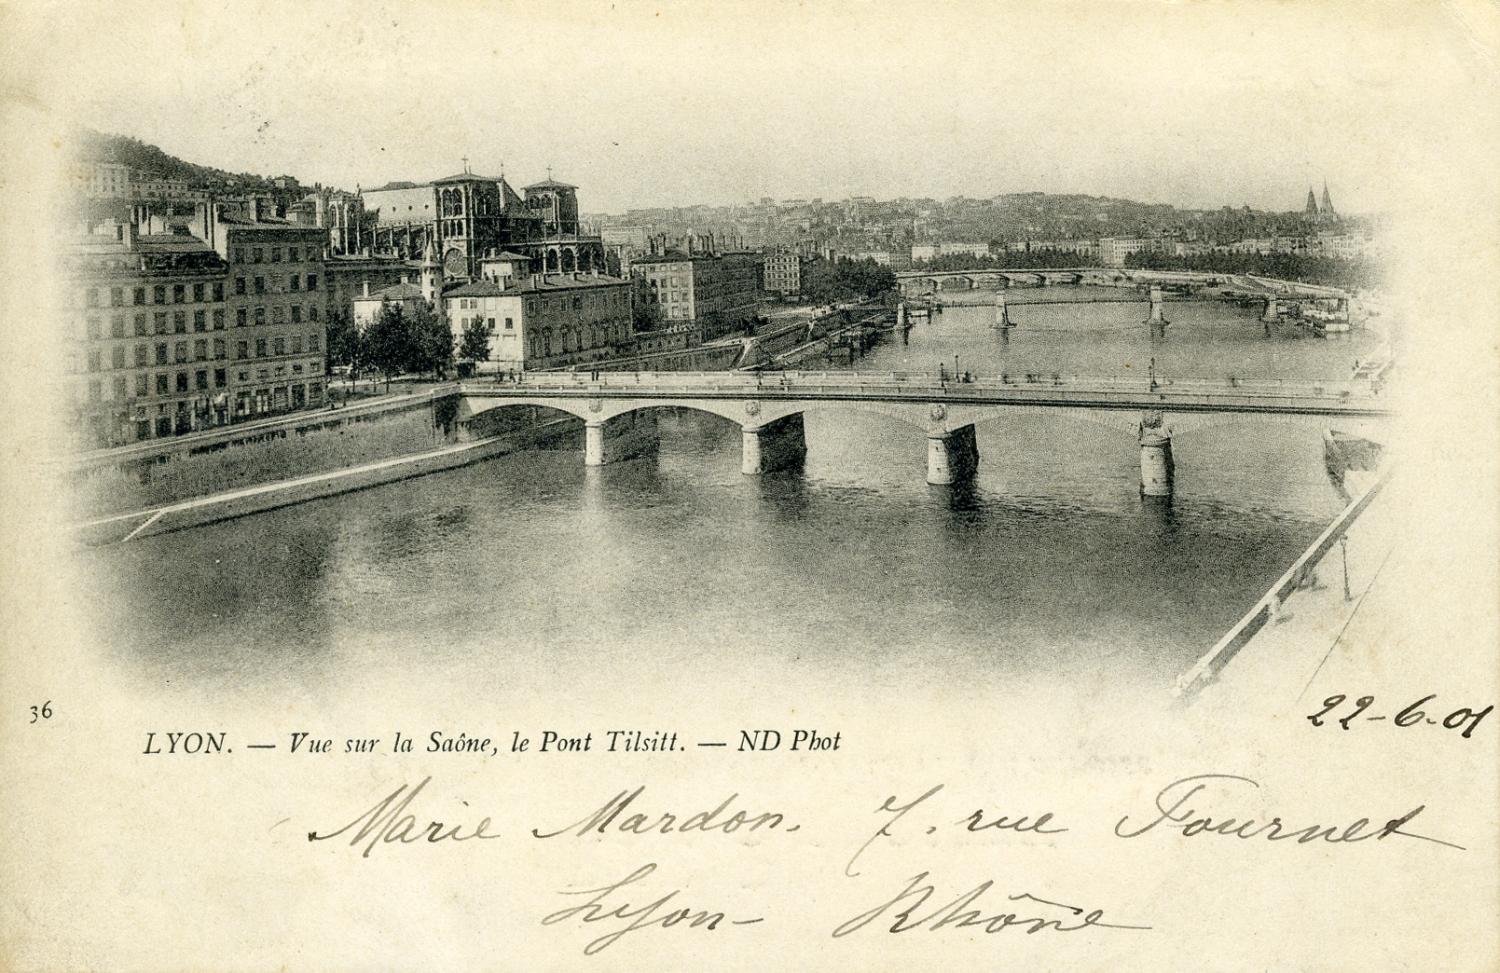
[617, 409]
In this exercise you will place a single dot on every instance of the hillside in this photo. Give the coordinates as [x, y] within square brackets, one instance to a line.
[93, 146]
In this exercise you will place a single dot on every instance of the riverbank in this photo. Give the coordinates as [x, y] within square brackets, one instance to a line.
[230, 504]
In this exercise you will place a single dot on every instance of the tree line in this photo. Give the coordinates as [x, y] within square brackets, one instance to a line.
[1347, 273]
[402, 340]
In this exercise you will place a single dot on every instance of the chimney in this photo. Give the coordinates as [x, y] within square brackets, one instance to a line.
[367, 289]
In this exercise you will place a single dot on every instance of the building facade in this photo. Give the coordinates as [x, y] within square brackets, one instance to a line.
[274, 352]
[711, 294]
[545, 320]
[147, 317]
[783, 272]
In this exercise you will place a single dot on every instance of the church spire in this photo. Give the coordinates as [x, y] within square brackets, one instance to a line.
[1311, 209]
[1327, 203]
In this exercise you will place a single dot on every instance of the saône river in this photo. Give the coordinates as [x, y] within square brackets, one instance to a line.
[1049, 564]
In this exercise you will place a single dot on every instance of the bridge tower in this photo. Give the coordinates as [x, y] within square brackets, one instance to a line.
[1154, 319]
[1157, 466]
[1002, 313]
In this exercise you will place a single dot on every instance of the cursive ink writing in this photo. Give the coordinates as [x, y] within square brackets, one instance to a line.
[900, 811]
[388, 822]
[596, 909]
[609, 818]
[904, 906]
[1173, 812]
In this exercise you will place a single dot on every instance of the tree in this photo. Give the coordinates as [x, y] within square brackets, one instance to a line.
[474, 346]
[387, 343]
[431, 342]
[342, 340]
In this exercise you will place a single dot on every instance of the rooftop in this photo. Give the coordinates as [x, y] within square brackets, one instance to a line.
[533, 284]
[551, 184]
[395, 292]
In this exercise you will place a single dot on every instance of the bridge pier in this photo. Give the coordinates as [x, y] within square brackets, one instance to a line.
[774, 446]
[952, 457]
[1157, 465]
[1155, 320]
[624, 437]
[1002, 313]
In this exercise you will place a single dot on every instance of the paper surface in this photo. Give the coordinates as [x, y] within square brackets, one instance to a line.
[958, 812]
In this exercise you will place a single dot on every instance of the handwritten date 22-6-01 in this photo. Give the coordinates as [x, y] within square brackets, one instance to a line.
[1412, 715]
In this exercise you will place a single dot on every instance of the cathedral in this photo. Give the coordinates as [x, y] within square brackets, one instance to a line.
[1317, 213]
[467, 217]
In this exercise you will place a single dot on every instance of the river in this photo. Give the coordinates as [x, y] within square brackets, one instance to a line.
[1049, 564]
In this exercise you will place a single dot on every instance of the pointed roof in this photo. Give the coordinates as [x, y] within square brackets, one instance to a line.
[430, 254]
[551, 184]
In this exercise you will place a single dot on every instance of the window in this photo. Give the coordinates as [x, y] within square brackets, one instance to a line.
[180, 351]
[260, 285]
[119, 387]
[179, 322]
[277, 284]
[142, 385]
[242, 349]
[292, 255]
[277, 314]
[275, 255]
[161, 353]
[296, 313]
[239, 255]
[117, 297]
[117, 325]
[182, 382]
[219, 378]
[260, 315]
[296, 344]
[91, 297]
[312, 282]
[219, 290]
[139, 297]
[200, 320]
[280, 345]
[117, 356]
[161, 322]
[260, 347]
[159, 294]
[313, 343]
[509, 324]
[219, 319]
[296, 282]
[312, 312]
[256, 255]
[142, 355]
[140, 323]
[198, 292]
[239, 285]
[240, 317]
[218, 348]
[242, 376]
[161, 384]
[202, 379]
[179, 293]
[200, 349]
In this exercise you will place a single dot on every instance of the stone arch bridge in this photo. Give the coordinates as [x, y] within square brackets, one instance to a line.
[616, 408]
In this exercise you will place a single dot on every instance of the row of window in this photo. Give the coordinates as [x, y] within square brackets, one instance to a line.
[201, 320]
[292, 283]
[180, 383]
[264, 348]
[202, 291]
[258, 254]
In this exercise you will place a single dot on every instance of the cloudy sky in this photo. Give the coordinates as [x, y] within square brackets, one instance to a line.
[1196, 104]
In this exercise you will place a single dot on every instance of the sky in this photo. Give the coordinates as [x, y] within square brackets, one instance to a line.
[1198, 104]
